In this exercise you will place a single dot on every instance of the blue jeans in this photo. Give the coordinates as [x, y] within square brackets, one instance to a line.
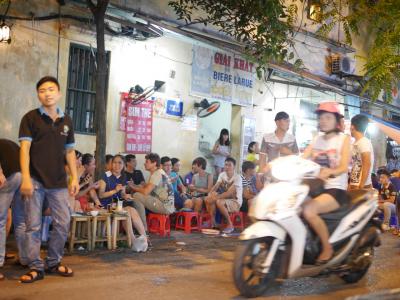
[60, 212]
[389, 210]
[179, 200]
[9, 195]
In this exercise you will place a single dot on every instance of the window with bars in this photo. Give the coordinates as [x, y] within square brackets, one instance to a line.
[81, 87]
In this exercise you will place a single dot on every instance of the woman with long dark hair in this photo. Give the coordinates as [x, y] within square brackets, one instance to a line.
[221, 150]
[112, 187]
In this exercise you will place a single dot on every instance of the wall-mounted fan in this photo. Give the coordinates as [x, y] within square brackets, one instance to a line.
[137, 94]
[206, 108]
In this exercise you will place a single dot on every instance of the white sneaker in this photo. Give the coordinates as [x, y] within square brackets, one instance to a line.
[385, 227]
[140, 244]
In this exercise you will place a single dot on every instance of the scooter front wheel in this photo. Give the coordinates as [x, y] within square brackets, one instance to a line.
[249, 274]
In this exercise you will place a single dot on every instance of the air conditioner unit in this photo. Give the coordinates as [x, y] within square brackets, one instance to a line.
[341, 64]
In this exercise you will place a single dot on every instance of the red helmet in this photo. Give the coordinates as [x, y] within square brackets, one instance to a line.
[329, 106]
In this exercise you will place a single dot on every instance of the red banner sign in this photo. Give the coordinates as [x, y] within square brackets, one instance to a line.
[123, 111]
[139, 126]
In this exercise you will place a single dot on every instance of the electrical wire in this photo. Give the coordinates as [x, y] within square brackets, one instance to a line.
[90, 44]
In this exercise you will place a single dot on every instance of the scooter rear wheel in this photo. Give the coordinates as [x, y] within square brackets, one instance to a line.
[363, 262]
[247, 269]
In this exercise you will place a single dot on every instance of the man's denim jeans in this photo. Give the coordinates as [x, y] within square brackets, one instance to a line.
[10, 195]
[60, 212]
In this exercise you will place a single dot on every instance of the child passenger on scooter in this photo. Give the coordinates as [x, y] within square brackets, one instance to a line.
[332, 151]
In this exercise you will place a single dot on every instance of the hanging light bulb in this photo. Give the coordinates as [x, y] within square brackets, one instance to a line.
[5, 33]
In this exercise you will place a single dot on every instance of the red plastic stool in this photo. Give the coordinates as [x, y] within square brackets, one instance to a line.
[205, 220]
[159, 224]
[246, 218]
[188, 221]
[237, 219]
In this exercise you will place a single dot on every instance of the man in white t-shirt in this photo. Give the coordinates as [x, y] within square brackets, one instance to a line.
[277, 143]
[362, 154]
[226, 194]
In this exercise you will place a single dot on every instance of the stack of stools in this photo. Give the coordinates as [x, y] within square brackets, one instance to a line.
[116, 220]
[80, 232]
[159, 224]
[101, 230]
[188, 221]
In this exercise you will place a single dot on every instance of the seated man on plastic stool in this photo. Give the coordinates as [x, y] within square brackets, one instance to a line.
[387, 197]
[226, 195]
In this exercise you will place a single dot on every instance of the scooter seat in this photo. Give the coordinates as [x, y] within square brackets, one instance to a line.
[357, 197]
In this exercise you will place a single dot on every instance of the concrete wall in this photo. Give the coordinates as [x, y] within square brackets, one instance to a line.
[33, 54]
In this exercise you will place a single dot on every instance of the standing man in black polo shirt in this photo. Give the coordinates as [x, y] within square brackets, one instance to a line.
[47, 138]
[10, 181]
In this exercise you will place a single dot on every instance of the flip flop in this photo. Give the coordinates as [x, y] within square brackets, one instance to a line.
[228, 230]
[321, 262]
[210, 231]
[9, 256]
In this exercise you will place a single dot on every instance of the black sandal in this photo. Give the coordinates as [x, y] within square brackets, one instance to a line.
[56, 270]
[31, 274]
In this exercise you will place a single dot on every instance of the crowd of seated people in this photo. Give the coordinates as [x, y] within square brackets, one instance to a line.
[164, 191]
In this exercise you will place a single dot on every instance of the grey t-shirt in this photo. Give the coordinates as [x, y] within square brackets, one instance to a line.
[200, 182]
[270, 145]
[163, 189]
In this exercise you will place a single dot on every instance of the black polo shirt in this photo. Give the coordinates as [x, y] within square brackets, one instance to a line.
[49, 140]
[9, 157]
[136, 176]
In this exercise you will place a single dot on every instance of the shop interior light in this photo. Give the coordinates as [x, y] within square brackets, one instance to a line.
[372, 129]
[5, 33]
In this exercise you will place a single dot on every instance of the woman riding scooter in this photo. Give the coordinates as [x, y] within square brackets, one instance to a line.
[331, 150]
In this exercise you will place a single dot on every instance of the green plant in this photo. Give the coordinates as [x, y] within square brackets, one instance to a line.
[378, 21]
[264, 28]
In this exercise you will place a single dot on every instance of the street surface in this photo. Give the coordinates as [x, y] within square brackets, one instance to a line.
[200, 269]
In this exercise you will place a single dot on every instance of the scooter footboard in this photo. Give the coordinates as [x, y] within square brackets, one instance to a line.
[263, 229]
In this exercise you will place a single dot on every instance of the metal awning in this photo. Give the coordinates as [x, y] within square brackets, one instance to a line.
[391, 129]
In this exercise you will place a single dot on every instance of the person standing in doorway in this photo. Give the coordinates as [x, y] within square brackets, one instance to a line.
[221, 150]
[362, 154]
[278, 143]
[47, 139]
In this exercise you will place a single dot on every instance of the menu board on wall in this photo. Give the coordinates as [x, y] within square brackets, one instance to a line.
[139, 124]
[222, 75]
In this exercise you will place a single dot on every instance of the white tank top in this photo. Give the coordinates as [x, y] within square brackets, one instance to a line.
[327, 153]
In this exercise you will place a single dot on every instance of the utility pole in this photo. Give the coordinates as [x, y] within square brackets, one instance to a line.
[98, 10]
